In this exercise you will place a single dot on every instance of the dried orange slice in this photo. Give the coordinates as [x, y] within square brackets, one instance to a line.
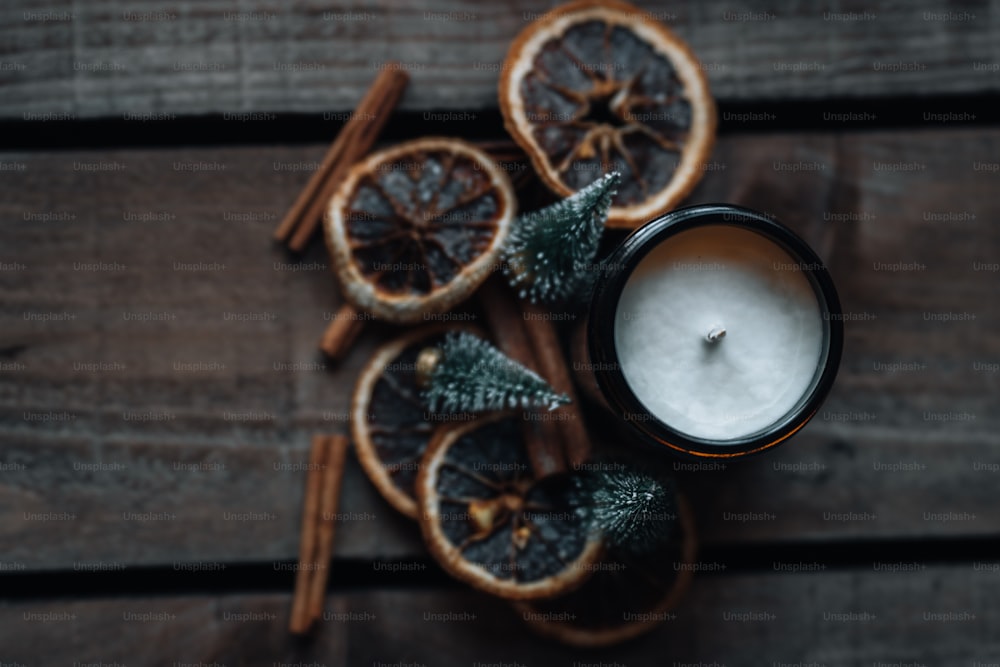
[626, 597]
[598, 86]
[489, 522]
[414, 229]
[389, 422]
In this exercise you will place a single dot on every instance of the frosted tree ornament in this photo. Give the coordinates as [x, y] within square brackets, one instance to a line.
[467, 374]
[549, 252]
[634, 511]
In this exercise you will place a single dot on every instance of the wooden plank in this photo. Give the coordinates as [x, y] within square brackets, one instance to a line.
[98, 234]
[155, 504]
[820, 487]
[231, 630]
[935, 616]
[70, 503]
[113, 59]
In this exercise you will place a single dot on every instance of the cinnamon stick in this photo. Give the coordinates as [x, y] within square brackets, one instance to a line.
[294, 214]
[299, 622]
[505, 321]
[326, 470]
[343, 329]
[354, 140]
[549, 354]
[333, 474]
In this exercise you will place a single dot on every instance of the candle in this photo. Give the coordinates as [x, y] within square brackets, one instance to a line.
[713, 330]
[717, 333]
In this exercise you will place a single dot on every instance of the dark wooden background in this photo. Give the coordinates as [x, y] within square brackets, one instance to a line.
[131, 448]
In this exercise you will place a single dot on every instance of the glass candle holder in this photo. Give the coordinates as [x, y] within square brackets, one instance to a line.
[714, 331]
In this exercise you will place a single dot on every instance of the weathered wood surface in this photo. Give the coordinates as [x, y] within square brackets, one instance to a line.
[105, 236]
[114, 59]
[935, 616]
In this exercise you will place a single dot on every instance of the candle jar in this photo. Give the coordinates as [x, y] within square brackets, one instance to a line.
[713, 331]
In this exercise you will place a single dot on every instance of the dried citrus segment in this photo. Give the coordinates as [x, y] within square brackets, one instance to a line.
[414, 229]
[388, 419]
[490, 523]
[598, 86]
[624, 598]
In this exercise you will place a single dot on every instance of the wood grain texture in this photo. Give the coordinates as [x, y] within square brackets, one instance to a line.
[188, 410]
[113, 59]
[852, 618]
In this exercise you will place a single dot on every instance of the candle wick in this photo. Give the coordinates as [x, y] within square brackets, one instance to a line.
[715, 333]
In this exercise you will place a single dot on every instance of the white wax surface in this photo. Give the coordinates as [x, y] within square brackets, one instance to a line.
[749, 378]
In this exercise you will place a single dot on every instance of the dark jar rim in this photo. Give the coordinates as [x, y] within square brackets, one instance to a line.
[615, 272]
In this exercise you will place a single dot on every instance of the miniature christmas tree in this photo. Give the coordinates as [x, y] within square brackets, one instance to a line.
[467, 374]
[634, 511]
[549, 251]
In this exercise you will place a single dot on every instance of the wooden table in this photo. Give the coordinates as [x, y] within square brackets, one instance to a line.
[159, 377]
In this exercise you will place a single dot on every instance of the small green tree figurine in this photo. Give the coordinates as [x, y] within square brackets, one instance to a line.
[635, 512]
[549, 251]
[467, 374]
